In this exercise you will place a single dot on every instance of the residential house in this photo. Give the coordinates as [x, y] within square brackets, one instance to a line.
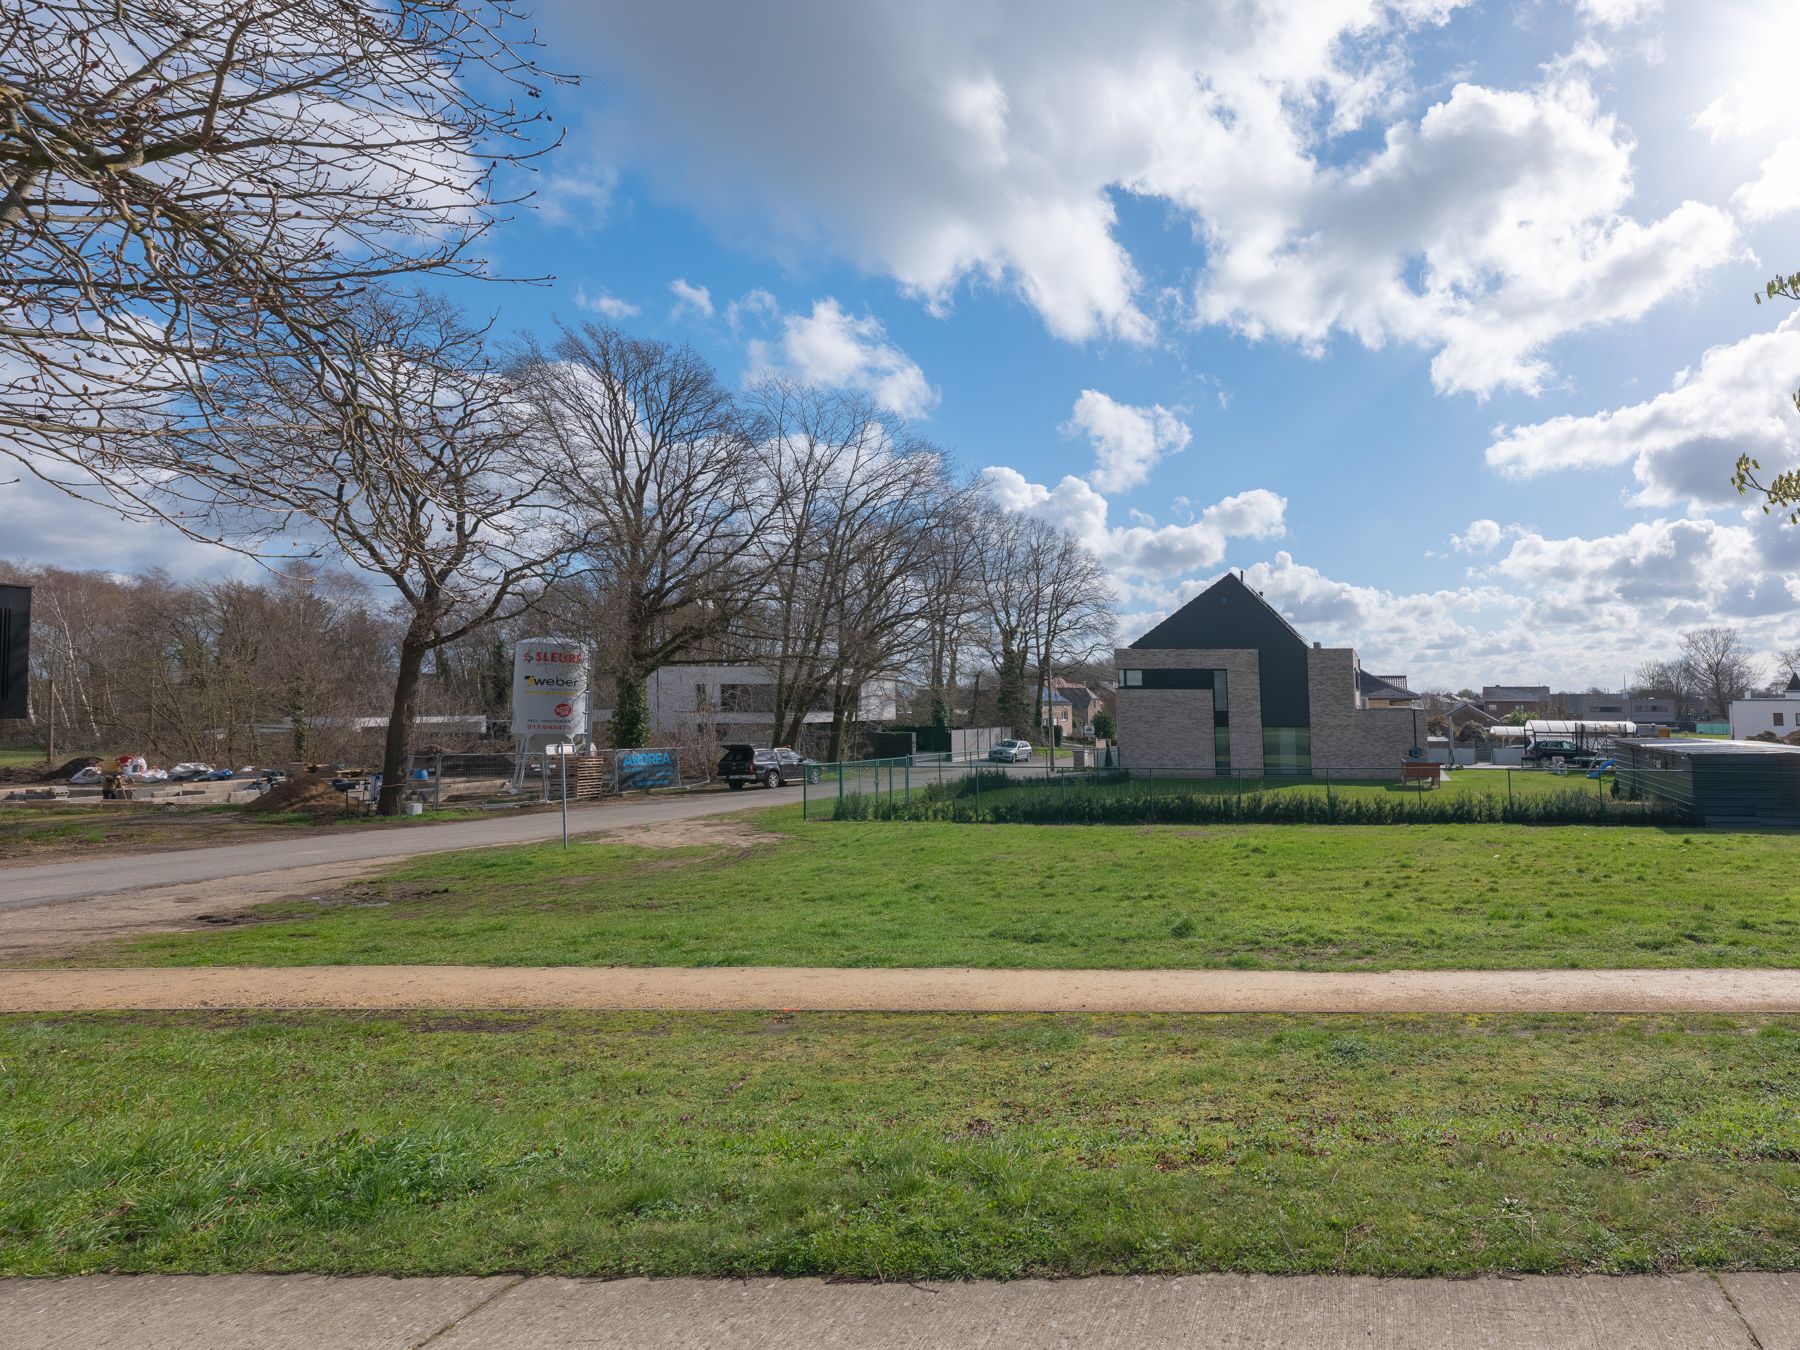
[731, 701]
[1459, 710]
[1779, 715]
[1083, 701]
[1385, 691]
[1504, 699]
[1226, 685]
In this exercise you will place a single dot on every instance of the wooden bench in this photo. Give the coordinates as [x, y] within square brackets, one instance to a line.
[1411, 769]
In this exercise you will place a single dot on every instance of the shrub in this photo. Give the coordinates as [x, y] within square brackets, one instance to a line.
[1055, 802]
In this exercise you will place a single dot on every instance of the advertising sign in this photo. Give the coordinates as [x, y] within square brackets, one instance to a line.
[647, 769]
[550, 684]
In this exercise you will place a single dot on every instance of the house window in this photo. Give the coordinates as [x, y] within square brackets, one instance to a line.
[1777, 719]
[1287, 751]
[1131, 679]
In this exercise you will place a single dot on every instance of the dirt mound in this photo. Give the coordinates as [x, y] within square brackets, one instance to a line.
[311, 793]
[37, 773]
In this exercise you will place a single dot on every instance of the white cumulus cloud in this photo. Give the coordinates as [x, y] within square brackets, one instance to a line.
[604, 303]
[1134, 552]
[1128, 441]
[830, 347]
[1775, 191]
[690, 297]
[1683, 443]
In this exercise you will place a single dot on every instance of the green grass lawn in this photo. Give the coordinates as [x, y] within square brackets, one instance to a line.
[22, 757]
[841, 894]
[896, 1146]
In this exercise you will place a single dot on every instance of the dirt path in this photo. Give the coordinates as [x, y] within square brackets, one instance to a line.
[812, 989]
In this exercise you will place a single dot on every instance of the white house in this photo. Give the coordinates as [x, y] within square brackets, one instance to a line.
[735, 701]
[1781, 714]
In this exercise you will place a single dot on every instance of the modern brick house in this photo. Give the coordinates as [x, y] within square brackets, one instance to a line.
[1225, 685]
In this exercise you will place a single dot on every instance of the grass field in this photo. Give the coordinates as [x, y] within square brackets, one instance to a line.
[841, 894]
[21, 756]
[896, 1146]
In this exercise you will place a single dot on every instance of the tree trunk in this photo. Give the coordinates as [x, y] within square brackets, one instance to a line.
[400, 721]
[630, 724]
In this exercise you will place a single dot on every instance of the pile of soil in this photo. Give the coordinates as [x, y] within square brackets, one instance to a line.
[37, 773]
[311, 793]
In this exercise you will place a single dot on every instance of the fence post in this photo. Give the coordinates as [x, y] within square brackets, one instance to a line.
[437, 783]
[907, 795]
[1509, 787]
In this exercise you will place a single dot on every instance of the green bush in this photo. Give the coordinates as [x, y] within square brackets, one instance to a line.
[1056, 802]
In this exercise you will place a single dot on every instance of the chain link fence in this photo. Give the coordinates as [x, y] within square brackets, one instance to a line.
[501, 777]
[935, 788]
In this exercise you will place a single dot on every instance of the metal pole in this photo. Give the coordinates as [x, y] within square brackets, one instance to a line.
[563, 763]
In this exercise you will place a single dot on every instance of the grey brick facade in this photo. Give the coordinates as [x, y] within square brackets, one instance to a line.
[1173, 728]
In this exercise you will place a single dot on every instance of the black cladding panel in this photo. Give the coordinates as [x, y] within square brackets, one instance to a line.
[1228, 614]
[15, 651]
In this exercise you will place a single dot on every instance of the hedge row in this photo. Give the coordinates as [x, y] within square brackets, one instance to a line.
[1064, 805]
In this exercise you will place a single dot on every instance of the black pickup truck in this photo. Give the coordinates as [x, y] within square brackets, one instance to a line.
[743, 764]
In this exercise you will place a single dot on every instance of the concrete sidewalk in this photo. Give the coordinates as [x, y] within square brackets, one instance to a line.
[275, 1312]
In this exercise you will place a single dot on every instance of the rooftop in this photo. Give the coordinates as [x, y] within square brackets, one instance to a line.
[1704, 746]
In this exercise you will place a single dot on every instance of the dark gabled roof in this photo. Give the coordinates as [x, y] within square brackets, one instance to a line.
[1793, 684]
[1515, 693]
[1227, 614]
[1373, 686]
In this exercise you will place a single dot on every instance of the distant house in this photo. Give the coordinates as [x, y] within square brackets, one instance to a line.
[1083, 702]
[1225, 685]
[1385, 691]
[1460, 710]
[1597, 707]
[735, 701]
[1504, 699]
[1780, 715]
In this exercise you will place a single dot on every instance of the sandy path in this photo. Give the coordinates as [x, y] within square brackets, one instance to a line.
[812, 989]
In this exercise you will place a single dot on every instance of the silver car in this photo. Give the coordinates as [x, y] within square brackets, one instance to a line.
[1011, 752]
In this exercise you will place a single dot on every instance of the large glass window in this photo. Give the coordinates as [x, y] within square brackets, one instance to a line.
[1221, 746]
[1287, 751]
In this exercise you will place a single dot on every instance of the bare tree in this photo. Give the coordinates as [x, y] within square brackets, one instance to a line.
[1718, 667]
[949, 575]
[652, 454]
[1005, 576]
[418, 462]
[1074, 607]
[184, 187]
[1788, 658]
[848, 493]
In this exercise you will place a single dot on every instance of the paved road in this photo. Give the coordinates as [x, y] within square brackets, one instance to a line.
[1194, 1312]
[111, 874]
[799, 988]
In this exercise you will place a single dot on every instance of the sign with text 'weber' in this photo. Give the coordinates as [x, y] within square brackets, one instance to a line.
[550, 685]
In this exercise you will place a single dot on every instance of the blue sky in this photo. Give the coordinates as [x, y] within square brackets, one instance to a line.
[1434, 318]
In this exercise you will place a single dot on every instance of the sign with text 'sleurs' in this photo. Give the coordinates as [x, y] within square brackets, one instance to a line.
[550, 685]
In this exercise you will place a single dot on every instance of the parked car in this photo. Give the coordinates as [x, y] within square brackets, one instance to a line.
[1541, 752]
[772, 768]
[1011, 752]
